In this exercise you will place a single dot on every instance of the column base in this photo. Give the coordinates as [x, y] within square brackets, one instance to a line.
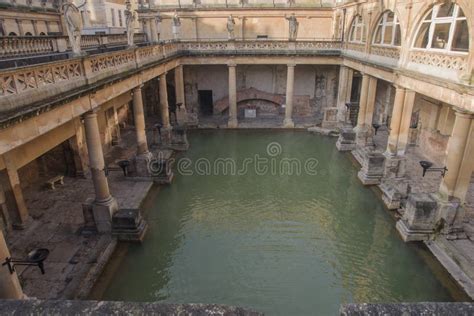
[372, 168]
[129, 225]
[395, 166]
[165, 136]
[346, 140]
[288, 123]
[101, 213]
[364, 136]
[179, 139]
[232, 123]
[393, 192]
[419, 220]
[141, 164]
[409, 235]
[160, 169]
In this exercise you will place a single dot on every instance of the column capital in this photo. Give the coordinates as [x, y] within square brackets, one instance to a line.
[139, 87]
[232, 64]
[90, 114]
[462, 113]
[163, 74]
[291, 65]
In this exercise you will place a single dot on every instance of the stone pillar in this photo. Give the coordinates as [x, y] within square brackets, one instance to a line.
[143, 156]
[17, 202]
[290, 82]
[233, 123]
[148, 31]
[405, 122]
[139, 120]
[395, 122]
[181, 113]
[153, 30]
[369, 110]
[10, 287]
[78, 148]
[104, 205]
[434, 117]
[455, 152]
[363, 101]
[164, 111]
[342, 94]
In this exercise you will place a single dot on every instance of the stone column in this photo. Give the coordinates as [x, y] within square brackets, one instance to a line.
[290, 82]
[164, 111]
[139, 120]
[10, 287]
[148, 31]
[395, 122]
[369, 110]
[233, 123]
[405, 122]
[17, 202]
[104, 205]
[181, 113]
[455, 153]
[364, 91]
[153, 30]
[342, 94]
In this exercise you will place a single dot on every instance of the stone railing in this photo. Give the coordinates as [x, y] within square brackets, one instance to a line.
[265, 46]
[386, 51]
[358, 47]
[23, 46]
[14, 46]
[456, 62]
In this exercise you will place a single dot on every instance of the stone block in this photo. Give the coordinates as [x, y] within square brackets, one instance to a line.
[420, 217]
[393, 192]
[129, 225]
[346, 140]
[141, 164]
[395, 167]
[179, 139]
[103, 213]
[372, 168]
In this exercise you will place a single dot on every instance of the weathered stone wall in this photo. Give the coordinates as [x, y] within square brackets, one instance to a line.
[315, 86]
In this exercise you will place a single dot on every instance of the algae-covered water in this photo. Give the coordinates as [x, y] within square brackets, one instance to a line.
[278, 241]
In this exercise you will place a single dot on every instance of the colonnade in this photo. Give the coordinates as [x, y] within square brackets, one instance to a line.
[233, 111]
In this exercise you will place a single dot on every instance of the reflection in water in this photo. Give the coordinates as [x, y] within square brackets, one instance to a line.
[279, 244]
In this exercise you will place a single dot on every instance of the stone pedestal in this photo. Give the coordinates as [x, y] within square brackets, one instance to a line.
[450, 214]
[420, 218]
[330, 118]
[372, 168]
[129, 225]
[102, 213]
[364, 136]
[395, 166]
[141, 164]
[166, 136]
[346, 140]
[179, 139]
[393, 192]
[161, 167]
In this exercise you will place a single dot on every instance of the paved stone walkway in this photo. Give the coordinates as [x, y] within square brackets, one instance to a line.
[75, 259]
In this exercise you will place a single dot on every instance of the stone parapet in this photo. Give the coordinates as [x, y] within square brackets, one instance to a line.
[346, 140]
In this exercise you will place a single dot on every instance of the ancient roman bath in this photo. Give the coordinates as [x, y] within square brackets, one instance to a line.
[277, 239]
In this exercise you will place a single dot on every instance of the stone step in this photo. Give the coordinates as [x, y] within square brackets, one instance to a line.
[452, 267]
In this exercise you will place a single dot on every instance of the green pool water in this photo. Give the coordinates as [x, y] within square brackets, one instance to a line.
[282, 244]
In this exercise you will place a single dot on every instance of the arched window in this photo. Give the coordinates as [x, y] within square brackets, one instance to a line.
[12, 34]
[388, 30]
[444, 28]
[28, 34]
[357, 32]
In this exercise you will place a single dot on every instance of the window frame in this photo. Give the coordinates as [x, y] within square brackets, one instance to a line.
[431, 18]
[383, 25]
[358, 23]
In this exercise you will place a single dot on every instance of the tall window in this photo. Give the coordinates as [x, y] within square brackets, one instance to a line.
[444, 28]
[388, 30]
[120, 17]
[357, 32]
[112, 13]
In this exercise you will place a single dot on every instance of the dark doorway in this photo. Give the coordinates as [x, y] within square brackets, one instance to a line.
[205, 102]
[355, 92]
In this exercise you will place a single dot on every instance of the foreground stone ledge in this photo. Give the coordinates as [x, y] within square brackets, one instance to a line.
[39, 307]
[425, 308]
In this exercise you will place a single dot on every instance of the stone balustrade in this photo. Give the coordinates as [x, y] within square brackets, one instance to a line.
[24, 86]
[23, 46]
[13, 46]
